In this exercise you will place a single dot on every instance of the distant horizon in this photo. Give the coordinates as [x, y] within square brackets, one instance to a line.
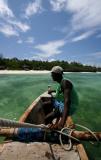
[18, 64]
[21, 59]
[51, 30]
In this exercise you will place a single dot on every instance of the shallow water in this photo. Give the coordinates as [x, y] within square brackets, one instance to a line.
[18, 91]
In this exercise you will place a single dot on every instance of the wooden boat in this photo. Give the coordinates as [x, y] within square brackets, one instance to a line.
[35, 114]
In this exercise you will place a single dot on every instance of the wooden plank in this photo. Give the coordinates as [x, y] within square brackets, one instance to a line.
[85, 135]
[1, 147]
[80, 148]
[29, 109]
[82, 152]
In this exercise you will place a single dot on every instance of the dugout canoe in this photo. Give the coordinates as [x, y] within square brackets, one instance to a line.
[35, 114]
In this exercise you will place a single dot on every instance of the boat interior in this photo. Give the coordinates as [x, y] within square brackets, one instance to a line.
[39, 111]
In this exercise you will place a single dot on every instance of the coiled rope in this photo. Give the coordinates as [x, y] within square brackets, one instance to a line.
[68, 148]
[69, 130]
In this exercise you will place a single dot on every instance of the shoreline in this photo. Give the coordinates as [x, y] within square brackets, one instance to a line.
[34, 72]
[24, 72]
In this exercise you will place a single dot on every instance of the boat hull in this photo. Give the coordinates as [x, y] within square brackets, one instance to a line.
[35, 114]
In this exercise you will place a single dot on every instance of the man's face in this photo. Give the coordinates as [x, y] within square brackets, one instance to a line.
[55, 76]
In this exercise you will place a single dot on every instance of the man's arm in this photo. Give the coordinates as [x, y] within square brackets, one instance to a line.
[67, 87]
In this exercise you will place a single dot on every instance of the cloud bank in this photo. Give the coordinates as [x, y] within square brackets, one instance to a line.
[9, 24]
[49, 49]
[85, 15]
[33, 8]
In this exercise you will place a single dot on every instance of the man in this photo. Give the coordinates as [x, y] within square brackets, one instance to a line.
[62, 100]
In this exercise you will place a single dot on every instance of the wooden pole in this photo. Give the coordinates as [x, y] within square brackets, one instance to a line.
[8, 132]
[81, 135]
[85, 135]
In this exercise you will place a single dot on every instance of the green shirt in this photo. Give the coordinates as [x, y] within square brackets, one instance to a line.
[74, 97]
[59, 94]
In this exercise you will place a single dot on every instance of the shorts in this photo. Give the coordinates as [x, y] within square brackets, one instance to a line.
[58, 105]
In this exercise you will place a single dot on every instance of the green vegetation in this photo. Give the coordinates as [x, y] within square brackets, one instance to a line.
[16, 64]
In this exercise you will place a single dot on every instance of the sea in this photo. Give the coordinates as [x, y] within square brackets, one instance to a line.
[18, 91]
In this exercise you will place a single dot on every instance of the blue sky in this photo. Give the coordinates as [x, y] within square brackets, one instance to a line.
[67, 30]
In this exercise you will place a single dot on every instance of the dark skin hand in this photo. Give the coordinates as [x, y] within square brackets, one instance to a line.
[66, 87]
[50, 91]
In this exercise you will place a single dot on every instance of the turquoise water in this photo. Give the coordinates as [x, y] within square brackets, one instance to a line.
[18, 91]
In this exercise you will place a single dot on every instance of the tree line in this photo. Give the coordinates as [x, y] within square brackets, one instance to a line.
[17, 64]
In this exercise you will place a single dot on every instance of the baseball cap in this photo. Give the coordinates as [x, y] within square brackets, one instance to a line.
[57, 69]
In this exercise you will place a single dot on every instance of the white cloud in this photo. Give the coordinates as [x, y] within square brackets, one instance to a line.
[9, 24]
[30, 40]
[5, 10]
[85, 15]
[49, 49]
[33, 8]
[98, 36]
[94, 58]
[52, 59]
[97, 54]
[19, 41]
[58, 5]
[82, 36]
[23, 27]
[8, 30]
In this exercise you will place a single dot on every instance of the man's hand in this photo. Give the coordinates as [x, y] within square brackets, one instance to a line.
[60, 125]
[53, 126]
[49, 91]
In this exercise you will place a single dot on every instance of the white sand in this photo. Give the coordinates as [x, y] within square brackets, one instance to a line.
[23, 72]
[34, 72]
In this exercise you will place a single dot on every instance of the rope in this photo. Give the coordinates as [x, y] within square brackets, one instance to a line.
[65, 134]
[68, 148]
[89, 131]
[52, 153]
[14, 124]
[69, 135]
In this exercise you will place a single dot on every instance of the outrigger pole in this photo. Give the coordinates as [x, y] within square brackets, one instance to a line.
[10, 127]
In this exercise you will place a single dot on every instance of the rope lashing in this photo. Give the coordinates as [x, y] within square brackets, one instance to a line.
[69, 146]
[65, 134]
[14, 124]
[69, 135]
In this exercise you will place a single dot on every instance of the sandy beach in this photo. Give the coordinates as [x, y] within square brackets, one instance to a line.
[34, 72]
[23, 72]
